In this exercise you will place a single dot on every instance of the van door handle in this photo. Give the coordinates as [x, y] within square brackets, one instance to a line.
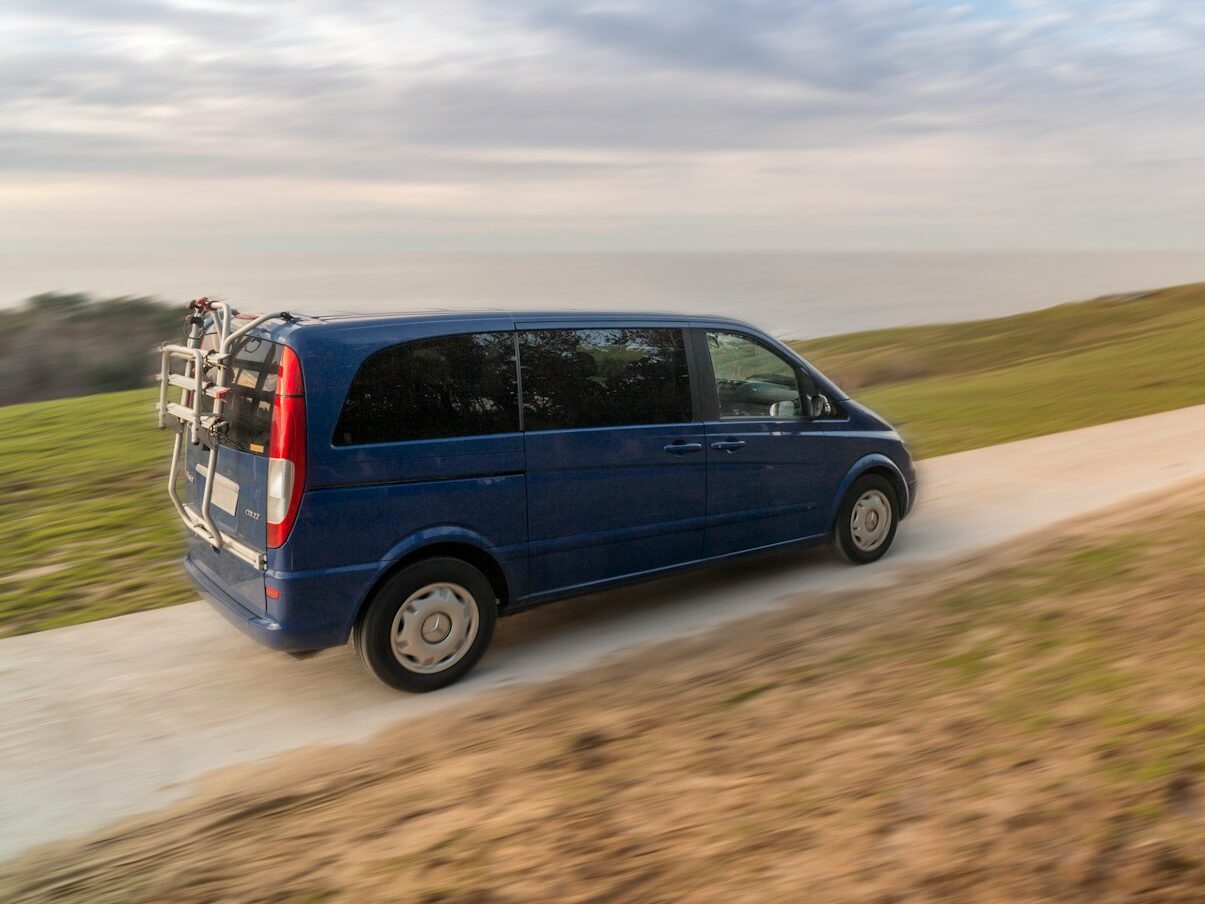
[681, 448]
[728, 445]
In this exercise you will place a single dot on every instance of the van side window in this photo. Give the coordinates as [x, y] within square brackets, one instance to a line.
[604, 378]
[461, 385]
[751, 380]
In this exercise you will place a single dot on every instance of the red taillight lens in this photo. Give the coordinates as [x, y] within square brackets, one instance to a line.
[286, 452]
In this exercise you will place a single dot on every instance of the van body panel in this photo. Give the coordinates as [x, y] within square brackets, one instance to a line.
[859, 442]
[378, 526]
[242, 580]
[378, 523]
[767, 491]
[561, 511]
[420, 460]
[258, 627]
[612, 501]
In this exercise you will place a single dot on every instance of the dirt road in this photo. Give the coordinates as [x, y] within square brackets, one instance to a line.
[108, 719]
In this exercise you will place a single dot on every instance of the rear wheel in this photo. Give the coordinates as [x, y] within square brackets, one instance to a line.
[866, 521]
[428, 625]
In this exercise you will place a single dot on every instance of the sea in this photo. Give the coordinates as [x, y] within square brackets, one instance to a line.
[791, 294]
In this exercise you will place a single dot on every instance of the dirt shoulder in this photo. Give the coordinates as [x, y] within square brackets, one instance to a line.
[1029, 725]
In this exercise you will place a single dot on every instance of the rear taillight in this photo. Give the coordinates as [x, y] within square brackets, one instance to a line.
[286, 451]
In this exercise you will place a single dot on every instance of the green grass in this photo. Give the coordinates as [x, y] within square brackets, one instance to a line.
[86, 530]
[951, 387]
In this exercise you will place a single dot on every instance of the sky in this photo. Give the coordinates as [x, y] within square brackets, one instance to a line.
[133, 129]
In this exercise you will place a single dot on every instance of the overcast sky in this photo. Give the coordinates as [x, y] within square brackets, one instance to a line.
[141, 126]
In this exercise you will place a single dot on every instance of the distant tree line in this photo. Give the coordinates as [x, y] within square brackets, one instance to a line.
[56, 345]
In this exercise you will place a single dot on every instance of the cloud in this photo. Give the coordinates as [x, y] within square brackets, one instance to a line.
[975, 109]
[795, 42]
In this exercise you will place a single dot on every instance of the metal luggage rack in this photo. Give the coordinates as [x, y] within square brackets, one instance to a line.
[206, 376]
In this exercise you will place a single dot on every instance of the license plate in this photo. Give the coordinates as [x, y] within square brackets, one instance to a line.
[225, 491]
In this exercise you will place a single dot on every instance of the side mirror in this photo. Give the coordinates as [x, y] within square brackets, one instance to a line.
[819, 406]
[784, 409]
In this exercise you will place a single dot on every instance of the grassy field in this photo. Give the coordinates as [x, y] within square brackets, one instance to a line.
[951, 387]
[86, 530]
[1026, 727]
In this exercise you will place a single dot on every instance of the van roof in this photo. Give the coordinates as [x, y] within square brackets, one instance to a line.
[528, 315]
[329, 323]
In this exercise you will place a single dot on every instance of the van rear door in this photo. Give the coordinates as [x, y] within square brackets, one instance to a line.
[240, 493]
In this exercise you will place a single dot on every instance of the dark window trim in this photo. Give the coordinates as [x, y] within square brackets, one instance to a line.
[514, 343]
[709, 400]
[690, 340]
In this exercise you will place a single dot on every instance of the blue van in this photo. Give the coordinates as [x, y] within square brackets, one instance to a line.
[405, 479]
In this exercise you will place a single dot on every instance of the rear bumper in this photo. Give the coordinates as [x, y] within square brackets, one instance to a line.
[263, 629]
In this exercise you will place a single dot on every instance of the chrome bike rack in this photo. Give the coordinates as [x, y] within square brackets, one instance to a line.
[188, 414]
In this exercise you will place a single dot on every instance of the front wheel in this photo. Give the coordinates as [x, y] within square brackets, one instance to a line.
[428, 625]
[866, 521]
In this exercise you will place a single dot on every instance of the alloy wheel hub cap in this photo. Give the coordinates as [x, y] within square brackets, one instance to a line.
[870, 520]
[434, 628]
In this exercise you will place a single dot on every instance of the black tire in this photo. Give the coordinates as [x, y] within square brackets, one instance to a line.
[842, 539]
[373, 635]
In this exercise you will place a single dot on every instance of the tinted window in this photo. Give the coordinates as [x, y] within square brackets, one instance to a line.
[450, 386]
[247, 412]
[604, 378]
[751, 380]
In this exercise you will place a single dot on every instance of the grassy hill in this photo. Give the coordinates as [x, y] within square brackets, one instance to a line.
[86, 530]
[951, 387]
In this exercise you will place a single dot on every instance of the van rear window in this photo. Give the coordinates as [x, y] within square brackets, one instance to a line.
[464, 385]
[248, 408]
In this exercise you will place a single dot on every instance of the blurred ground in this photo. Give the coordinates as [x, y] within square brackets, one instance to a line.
[106, 720]
[1025, 726]
[86, 528]
[86, 531]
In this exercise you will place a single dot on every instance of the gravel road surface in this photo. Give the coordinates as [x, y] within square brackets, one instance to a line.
[107, 719]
